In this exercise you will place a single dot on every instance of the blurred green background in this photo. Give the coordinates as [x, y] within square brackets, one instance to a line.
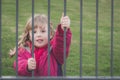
[89, 33]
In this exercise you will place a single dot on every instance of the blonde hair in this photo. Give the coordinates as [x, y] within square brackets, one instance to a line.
[40, 20]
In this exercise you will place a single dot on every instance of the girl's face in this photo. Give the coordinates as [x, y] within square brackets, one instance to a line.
[40, 36]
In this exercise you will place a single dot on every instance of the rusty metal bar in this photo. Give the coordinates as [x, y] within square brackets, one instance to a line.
[96, 51]
[33, 33]
[112, 29]
[64, 71]
[81, 14]
[0, 38]
[48, 37]
[17, 37]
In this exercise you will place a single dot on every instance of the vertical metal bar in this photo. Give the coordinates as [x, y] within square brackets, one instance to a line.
[33, 33]
[17, 37]
[65, 7]
[64, 72]
[81, 11]
[0, 38]
[112, 28]
[48, 37]
[96, 56]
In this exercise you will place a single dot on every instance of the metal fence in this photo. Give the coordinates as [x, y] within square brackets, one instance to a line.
[96, 77]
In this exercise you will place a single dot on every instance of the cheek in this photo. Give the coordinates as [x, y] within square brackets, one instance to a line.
[46, 36]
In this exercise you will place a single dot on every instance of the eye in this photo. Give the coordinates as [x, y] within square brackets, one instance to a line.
[43, 31]
[34, 31]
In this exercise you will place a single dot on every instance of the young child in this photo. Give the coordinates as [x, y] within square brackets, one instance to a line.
[26, 64]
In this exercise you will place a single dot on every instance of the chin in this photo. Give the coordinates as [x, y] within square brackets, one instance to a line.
[39, 46]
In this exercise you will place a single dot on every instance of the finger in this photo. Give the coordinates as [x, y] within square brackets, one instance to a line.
[11, 53]
[33, 66]
[66, 17]
[32, 59]
[33, 63]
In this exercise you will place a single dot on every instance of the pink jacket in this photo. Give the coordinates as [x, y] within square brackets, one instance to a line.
[56, 57]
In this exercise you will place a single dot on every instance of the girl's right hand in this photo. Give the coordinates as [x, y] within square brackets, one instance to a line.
[31, 64]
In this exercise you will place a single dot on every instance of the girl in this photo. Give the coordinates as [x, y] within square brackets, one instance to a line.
[26, 64]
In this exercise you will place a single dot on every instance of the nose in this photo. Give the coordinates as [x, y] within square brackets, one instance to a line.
[38, 34]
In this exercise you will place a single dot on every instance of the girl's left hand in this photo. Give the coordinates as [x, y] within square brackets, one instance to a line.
[65, 22]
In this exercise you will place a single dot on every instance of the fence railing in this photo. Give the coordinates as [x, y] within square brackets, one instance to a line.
[60, 78]
[96, 77]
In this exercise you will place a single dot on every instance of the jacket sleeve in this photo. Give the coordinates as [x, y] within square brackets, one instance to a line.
[58, 44]
[22, 63]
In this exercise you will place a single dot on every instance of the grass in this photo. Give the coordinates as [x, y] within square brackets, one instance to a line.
[89, 33]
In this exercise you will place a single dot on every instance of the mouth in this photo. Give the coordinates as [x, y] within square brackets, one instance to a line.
[39, 40]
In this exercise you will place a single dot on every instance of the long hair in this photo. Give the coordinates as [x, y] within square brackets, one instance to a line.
[40, 20]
